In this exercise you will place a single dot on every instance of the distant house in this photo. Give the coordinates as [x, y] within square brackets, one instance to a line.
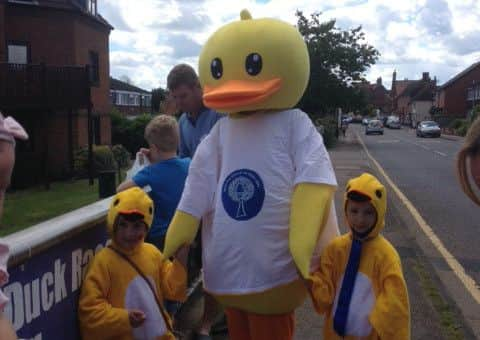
[377, 96]
[413, 99]
[128, 99]
[54, 79]
[460, 94]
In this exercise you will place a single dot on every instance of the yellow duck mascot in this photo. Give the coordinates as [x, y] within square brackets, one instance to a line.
[261, 182]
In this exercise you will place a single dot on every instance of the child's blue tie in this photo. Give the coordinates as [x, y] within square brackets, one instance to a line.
[345, 296]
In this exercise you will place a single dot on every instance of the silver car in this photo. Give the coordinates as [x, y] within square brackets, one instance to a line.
[374, 126]
[393, 123]
[428, 128]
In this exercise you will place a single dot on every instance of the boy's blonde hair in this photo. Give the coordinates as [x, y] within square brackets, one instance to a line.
[162, 131]
[470, 148]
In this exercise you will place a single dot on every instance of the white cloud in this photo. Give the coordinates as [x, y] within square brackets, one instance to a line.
[413, 36]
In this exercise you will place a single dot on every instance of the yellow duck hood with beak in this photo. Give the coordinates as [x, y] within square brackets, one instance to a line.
[131, 201]
[369, 186]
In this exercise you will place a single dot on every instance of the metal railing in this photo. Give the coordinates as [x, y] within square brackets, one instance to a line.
[28, 86]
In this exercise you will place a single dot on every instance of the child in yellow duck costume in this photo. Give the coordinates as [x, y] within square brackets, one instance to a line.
[261, 181]
[359, 284]
[116, 302]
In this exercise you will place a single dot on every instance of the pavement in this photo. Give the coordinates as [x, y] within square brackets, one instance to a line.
[433, 314]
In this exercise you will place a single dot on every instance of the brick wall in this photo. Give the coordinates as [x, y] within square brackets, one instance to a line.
[58, 37]
[47, 32]
[456, 94]
[3, 52]
[106, 131]
[90, 36]
[58, 144]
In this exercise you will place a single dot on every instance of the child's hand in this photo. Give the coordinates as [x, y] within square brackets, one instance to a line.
[136, 317]
[181, 255]
[144, 153]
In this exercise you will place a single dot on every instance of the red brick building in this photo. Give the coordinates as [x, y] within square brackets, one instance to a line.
[458, 95]
[413, 99]
[377, 96]
[45, 46]
[128, 99]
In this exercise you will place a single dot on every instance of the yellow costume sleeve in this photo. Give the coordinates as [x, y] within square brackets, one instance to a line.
[391, 314]
[323, 287]
[97, 317]
[310, 209]
[182, 230]
[173, 281]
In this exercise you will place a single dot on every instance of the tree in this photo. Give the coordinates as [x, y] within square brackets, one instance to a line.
[126, 79]
[338, 60]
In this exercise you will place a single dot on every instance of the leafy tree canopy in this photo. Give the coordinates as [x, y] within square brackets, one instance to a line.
[338, 59]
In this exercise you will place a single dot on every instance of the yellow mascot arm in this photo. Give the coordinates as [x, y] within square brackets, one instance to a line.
[310, 209]
[182, 230]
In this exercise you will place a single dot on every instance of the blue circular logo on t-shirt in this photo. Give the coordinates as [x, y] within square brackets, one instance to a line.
[243, 194]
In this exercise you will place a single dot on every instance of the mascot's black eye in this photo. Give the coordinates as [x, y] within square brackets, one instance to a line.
[253, 64]
[378, 193]
[116, 202]
[216, 68]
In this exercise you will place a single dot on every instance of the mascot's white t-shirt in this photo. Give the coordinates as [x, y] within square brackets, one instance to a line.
[240, 183]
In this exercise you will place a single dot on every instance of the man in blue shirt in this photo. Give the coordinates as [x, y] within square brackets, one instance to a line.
[193, 128]
[195, 123]
[196, 120]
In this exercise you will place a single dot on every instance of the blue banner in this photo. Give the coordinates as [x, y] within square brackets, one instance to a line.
[44, 290]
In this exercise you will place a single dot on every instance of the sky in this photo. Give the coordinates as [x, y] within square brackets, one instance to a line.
[441, 37]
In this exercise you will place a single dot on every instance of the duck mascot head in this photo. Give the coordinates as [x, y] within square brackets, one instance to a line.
[254, 64]
[261, 181]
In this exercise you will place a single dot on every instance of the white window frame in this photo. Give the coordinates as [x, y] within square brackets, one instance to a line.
[127, 98]
[14, 50]
[92, 6]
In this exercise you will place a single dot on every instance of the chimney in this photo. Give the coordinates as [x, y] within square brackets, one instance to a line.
[425, 76]
[379, 81]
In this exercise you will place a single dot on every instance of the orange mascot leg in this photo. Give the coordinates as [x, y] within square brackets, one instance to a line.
[249, 326]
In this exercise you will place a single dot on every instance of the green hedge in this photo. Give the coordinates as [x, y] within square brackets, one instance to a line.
[103, 160]
[129, 133]
[329, 131]
[460, 126]
[122, 156]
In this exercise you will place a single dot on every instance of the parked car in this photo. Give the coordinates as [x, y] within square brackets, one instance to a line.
[357, 119]
[365, 121]
[393, 122]
[428, 128]
[374, 126]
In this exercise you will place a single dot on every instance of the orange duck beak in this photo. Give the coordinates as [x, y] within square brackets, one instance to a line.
[237, 93]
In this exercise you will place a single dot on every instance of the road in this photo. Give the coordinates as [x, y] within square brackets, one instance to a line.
[424, 170]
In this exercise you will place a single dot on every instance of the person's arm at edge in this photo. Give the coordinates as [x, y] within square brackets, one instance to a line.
[126, 185]
[6, 329]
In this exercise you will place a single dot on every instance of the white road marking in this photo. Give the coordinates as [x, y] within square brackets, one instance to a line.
[468, 282]
[440, 153]
[388, 141]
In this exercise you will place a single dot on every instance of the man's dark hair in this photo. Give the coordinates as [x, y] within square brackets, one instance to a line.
[182, 74]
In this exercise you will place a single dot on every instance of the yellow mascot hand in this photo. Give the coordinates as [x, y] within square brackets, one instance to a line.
[182, 230]
[310, 209]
